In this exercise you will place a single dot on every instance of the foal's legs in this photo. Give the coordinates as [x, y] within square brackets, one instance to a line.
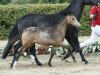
[33, 53]
[18, 53]
[72, 38]
[52, 54]
[16, 47]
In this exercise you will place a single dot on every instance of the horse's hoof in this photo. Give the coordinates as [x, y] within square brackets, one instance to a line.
[11, 65]
[49, 64]
[66, 61]
[74, 61]
[63, 59]
[86, 62]
[39, 64]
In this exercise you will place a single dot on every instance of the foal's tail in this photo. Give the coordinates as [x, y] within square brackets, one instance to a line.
[13, 37]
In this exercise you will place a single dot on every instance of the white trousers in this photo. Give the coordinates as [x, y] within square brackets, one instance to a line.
[95, 33]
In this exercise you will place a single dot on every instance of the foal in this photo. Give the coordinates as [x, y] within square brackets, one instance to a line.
[46, 35]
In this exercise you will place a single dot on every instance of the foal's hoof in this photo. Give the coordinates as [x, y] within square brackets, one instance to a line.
[11, 65]
[49, 64]
[63, 58]
[74, 61]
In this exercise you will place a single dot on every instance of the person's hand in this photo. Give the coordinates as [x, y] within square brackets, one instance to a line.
[91, 16]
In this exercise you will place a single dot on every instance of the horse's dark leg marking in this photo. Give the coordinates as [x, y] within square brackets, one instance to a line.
[73, 41]
[82, 57]
[7, 49]
[14, 59]
[33, 52]
[69, 51]
[68, 54]
[73, 57]
[16, 53]
[52, 54]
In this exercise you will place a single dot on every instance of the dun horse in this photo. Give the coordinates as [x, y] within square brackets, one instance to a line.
[46, 36]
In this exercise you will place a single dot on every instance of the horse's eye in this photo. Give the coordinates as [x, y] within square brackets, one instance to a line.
[73, 19]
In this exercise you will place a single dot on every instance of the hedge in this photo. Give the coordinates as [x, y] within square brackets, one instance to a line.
[9, 14]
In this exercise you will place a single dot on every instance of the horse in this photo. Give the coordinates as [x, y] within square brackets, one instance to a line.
[45, 20]
[45, 36]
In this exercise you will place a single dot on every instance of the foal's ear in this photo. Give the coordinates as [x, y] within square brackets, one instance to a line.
[70, 13]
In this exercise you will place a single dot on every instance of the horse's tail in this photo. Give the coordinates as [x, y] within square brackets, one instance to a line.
[13, 37]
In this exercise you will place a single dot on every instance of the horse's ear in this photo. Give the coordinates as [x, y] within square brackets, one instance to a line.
[70, 13]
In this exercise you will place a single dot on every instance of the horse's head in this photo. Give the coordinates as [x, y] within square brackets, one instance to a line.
[91, 2]
[71, 20]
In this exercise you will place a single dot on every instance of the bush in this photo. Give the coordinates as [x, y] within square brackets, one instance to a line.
[4, 1]
[10, 13]
[38, 1]
[23, 1]
[85, 22]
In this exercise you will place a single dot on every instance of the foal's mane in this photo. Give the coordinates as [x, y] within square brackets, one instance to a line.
[60, 20]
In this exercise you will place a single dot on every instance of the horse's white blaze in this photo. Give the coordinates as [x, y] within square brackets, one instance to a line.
[14, 63]
[76, 23]
[32, 57]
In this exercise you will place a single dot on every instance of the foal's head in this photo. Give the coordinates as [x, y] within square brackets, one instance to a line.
[71, 20]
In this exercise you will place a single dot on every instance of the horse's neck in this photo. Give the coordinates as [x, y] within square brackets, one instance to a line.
[62, 27]
[76, 7]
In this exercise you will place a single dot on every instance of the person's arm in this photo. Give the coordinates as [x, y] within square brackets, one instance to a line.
[92, 12]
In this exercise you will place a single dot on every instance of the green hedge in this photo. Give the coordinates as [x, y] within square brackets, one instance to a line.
[85, 22]
[10, 13]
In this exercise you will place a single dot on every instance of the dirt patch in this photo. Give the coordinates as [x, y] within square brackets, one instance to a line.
[26, 67]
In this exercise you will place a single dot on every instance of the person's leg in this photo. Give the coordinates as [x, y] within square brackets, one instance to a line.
[91, 40]
[97, 30]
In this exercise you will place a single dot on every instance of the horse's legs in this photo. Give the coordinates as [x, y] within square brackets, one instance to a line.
[68, 54]
[73, 57]
[76, 47]
[33, 55]
[16, 54]
[72, 39]
[52, 54]
[69, 51]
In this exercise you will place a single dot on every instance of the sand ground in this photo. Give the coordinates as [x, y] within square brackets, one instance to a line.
[26, 67]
